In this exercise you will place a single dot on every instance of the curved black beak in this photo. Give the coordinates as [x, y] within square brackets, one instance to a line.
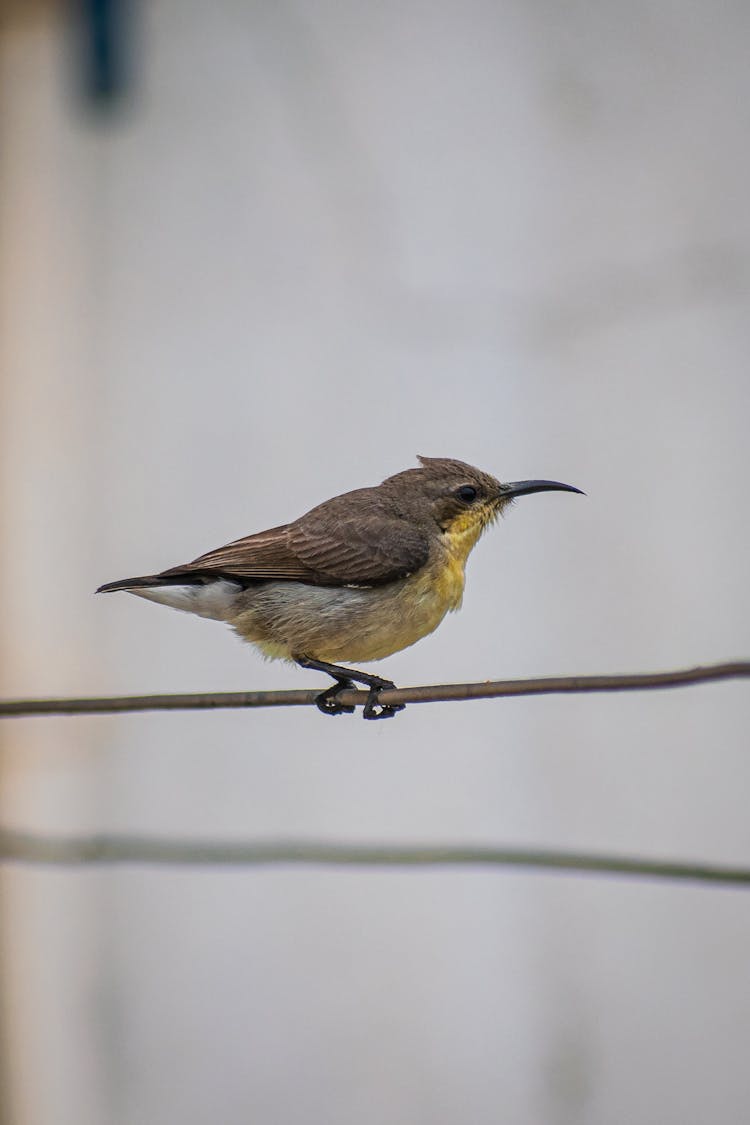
[524, 487]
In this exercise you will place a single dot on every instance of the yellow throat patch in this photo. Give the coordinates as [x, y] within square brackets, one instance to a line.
[460, 538]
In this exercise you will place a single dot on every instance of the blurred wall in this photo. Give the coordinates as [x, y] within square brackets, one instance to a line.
[311, 241]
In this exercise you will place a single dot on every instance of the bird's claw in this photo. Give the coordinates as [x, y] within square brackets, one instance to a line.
[374, 709]
[328, 703]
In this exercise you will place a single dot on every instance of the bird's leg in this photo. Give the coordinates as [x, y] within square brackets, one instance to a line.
[327, 701]
[345, 678]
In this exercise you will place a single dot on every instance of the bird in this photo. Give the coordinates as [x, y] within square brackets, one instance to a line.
[357, 578]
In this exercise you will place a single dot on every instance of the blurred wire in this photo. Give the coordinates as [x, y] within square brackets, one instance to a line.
[437, 693]
[25, 847]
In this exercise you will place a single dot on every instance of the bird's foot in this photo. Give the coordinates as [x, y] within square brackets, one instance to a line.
[345, 678]
[374, 709]
[328, 703]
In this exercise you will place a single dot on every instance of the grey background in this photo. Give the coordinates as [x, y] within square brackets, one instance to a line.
[315, 240]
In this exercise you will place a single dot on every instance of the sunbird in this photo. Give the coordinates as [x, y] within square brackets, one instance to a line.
[357, 578]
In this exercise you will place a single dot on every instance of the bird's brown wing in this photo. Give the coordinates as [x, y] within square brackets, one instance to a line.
[359, 539]
[355, 540]
[261, 556]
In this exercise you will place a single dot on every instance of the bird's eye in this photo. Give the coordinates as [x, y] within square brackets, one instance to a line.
[467, 493]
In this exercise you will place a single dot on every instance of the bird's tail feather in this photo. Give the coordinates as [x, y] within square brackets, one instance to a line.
[182, 578]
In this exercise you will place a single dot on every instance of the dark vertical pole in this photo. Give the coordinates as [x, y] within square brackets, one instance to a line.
[103, 48]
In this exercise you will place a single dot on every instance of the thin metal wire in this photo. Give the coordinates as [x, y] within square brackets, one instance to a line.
[64, 851]
[436, 693]
[24, 847]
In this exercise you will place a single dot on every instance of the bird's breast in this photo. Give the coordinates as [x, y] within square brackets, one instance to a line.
[439, 586]
[350, 624]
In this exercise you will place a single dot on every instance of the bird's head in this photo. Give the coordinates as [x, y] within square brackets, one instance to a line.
[462, 500]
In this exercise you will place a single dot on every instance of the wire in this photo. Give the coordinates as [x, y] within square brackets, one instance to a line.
[436, 693]
[25, 847]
